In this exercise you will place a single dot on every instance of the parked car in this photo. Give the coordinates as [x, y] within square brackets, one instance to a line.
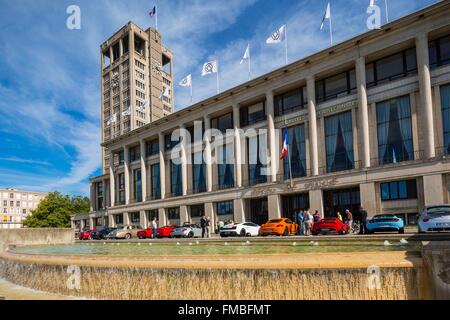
[247, 229]
[330, 225]
[85, 233]
[385, 223]
[435, 219]
[279, 227]
[125, 232]
[164, 232]
[146, 234]
[100, 233]
[187, 231]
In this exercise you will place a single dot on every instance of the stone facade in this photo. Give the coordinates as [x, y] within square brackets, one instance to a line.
[16, 206]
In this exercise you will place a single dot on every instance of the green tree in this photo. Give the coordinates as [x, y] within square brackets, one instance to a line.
[55, 211]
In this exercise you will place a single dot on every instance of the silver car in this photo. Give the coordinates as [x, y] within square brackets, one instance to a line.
[435, 219]
[187, 231]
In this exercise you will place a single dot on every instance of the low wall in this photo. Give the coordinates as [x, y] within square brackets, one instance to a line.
[436, 256]
[34, 237]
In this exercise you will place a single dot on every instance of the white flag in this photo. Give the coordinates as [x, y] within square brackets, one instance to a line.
[327, 15]
[246, 54]
[127, 112]
[165, 93]
[209, 68]
[146, 103]
[278, 36]
[113, 119]
[187, 81]
[372, 3]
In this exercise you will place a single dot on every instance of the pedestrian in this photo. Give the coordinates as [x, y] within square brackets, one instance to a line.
[308, 218]
[349, 220]
[300, 222]
[363, 213]
[316, 216]
[203, 222]
[207, 229]
[339, 216]
[154, 225]
[220, 225]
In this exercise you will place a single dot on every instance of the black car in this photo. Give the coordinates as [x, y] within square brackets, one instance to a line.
[100, 233]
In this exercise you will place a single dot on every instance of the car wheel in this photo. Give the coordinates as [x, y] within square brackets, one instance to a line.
[191, 235]
[243, 233]
[248, 235]
[128, 236]
[342, 232]
[286, 232]
[401, 231]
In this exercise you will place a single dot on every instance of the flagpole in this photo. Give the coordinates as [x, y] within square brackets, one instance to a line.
[191, 90]
[289, 158]
[249, 64]
[286, 44]
[217, 74]
[156, 16]
[387, 10]
[331, 28]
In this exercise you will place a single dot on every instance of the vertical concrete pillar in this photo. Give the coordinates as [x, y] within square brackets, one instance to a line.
[143, 218]
[162, 166]
[433, 186]
[274, 206]
[82, 224]
[91, 223]
[314, 153]
[184, 215]
[92, 196]
[112, 181]
[126, 167]
[105, 194]
[316, 201]
[126, 219]
[121, 47]
[184, 161]
[207, 155]
[162, 217]
[239, 211]
[237, 145]
[423, 64]
[363, 111]
[272, 136]
[111, 55]
[143, 171]
[368, 195]
[112, 222]
[209, 212]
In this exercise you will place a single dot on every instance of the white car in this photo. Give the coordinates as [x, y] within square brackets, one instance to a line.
[187, 231]
[435, 219]
[246, 229]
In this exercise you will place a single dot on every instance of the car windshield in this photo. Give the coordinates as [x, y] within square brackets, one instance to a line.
[384, 217]
[438, 211]
[275, 221]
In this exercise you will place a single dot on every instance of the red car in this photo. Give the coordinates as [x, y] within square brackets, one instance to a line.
[164, 232]
[330, 225]
[145, 234]
[85, 234]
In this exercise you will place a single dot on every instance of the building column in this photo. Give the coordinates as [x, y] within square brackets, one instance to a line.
[272, 136]
[184, 215]
[209, 213]
[162, 218]
[423, 64]
[369, 198]
[237, 145]
[143, 171]
[126, 219]
[105, 195]
[82, 224]
[363, 111]
[207, 156]
[184, 165]
[91, 223]
[274, 206]
[92, 196]
[162, 167]
[239, 211]
[111, 55]
[112, 222]
[143, 218]
[313, 146]
[126, 168]
[433, 187]
[121, 47]
[316, 201]
[112, 181]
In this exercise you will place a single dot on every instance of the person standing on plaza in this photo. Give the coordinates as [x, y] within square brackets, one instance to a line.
[207, 227]
[308, 222]
[339, 216]
[154, 225]
[300, 222]
[316, 216]
[203, 222]
[363, 221]
[349, 220]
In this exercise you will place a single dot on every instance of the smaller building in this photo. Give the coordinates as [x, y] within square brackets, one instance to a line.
[16, 206]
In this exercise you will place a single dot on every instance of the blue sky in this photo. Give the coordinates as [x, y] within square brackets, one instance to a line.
[50, 126]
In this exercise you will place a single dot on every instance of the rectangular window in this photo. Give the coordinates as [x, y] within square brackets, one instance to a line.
[100, 204]
[295, 162]
[137, 185]
[223, 123]
[197, 211]
[121, 157]
[169, 144]
[152, 148]
[225, 208]
[173, 213]
[440, 52]
[134, 153]
[257, 159]
[226, 166]
[152, 214]
[445, 108]
[196, 132]
[339, 142]
[390, 68]
[253, 114]
[121, 183]
[394, 131]
[336, 86]
[175, 178]
[135, 218]
[198, 173]
[156, 181]
[291, 101]
[399, 190]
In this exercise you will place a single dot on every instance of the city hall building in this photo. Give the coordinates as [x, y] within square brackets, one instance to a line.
[368, 122]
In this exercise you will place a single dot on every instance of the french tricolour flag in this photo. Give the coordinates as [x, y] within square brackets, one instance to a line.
[284, 152]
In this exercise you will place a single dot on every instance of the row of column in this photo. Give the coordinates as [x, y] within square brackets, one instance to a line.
[426, 104]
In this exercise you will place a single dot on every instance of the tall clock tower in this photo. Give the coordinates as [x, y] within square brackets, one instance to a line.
[137, 82]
